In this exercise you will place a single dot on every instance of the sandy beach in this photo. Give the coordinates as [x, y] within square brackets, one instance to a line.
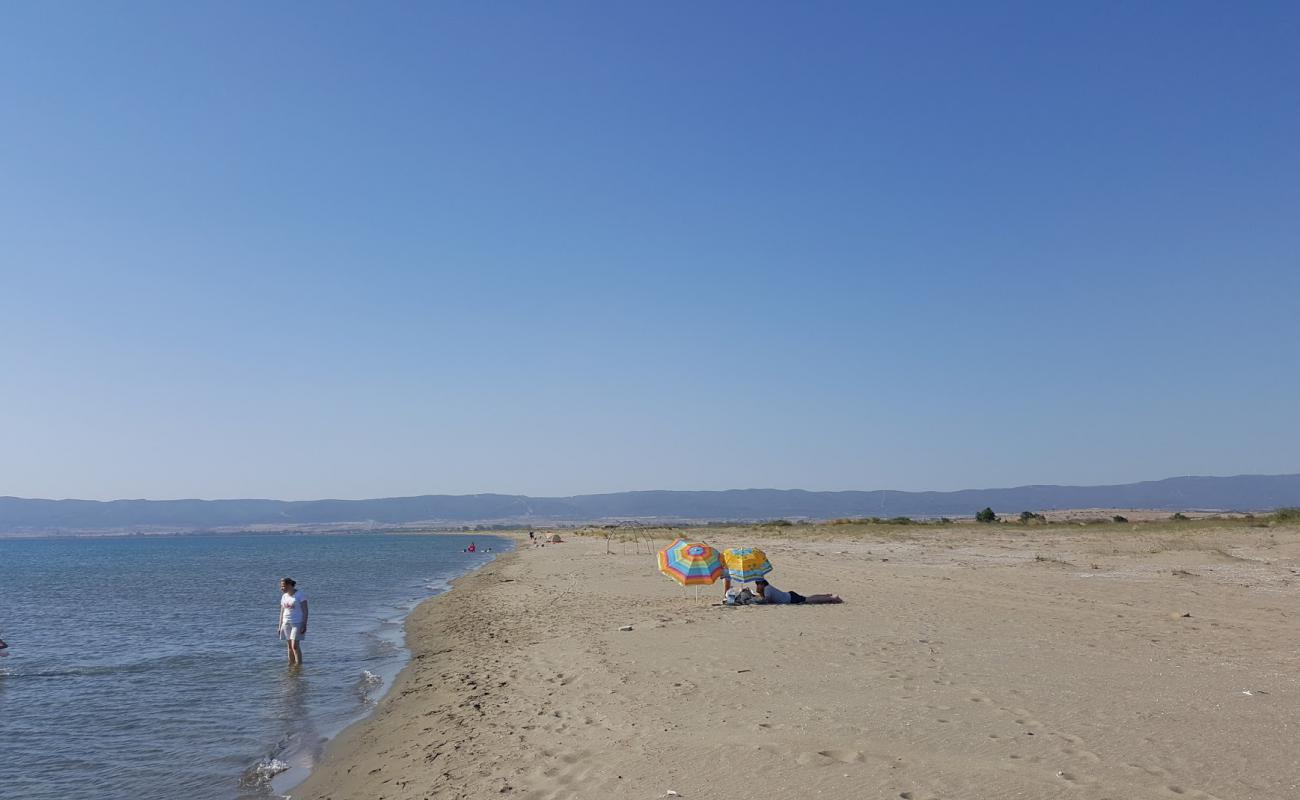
[967, 662]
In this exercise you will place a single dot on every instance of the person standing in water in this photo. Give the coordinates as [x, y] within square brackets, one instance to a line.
[293, 618]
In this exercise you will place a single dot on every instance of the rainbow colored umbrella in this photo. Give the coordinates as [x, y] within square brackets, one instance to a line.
[690, 563]
[746, 563]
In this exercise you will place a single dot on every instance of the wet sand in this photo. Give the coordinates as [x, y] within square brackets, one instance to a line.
[967, 661]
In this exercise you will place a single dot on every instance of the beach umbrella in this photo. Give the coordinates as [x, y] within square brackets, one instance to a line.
[745, 563]
[690, 563]
[675, 543]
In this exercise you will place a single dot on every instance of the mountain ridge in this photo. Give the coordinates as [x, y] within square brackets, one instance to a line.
[1230, 493]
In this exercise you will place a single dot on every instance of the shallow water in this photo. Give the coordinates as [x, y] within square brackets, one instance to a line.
[145, 667]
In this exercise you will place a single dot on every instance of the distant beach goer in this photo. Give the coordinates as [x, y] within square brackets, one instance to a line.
[771, 594]
[472, 547]
[293, 618]
[4, 648]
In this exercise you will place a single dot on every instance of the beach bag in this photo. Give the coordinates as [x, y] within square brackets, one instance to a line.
[740, 597]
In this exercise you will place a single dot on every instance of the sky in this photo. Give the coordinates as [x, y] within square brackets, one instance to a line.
[363, 250]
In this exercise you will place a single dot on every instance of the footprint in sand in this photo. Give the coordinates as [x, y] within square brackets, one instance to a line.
[1023, 720]
[976, 696]
[823, 758]
[1155, 772]
[1179, 791]
[844, 756]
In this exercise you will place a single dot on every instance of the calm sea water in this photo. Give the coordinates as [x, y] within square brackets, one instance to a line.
[148, 667]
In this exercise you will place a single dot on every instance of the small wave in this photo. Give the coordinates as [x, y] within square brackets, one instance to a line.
[145, 665]
[438, 585]
[367, 684]
[379, 648]
[261, 773]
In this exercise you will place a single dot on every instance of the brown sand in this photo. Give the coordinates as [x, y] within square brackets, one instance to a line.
[967, 662]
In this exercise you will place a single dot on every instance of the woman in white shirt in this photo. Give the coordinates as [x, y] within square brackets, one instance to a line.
[293, 618]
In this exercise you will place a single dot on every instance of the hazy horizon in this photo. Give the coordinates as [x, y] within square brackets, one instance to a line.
[552, 250]
[656, 489]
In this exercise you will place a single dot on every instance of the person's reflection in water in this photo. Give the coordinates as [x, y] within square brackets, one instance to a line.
[301, 744]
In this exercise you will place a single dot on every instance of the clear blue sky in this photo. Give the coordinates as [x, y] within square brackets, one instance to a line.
[355, 250]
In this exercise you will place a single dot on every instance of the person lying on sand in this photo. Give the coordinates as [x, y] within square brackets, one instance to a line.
[771, 594]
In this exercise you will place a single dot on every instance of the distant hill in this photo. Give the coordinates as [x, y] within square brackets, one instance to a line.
[1239, 493]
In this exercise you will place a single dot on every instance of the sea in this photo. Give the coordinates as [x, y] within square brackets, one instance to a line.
[149, 666]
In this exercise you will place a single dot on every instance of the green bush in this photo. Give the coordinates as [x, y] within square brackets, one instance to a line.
[1118, 518]
[986, 515]
[1179, 516]
[1285, 516]
[1027, 517]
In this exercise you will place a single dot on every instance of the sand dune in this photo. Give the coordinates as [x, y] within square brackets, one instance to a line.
[966, 663]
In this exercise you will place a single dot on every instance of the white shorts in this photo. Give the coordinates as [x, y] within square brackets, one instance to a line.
[292, 633]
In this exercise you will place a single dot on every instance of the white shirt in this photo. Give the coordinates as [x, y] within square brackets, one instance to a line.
[291, 612]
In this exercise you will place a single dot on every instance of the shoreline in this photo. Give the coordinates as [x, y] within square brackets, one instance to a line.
[965, 662]
[279, 785]
[351, 738]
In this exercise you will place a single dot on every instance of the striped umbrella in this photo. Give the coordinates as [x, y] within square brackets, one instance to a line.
[746, 563]
[690, 563]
